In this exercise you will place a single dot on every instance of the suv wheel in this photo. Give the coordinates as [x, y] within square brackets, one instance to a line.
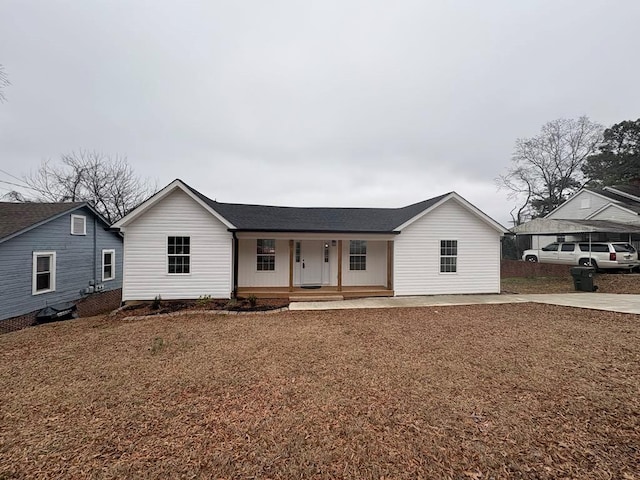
[586, 262]
[531, 258]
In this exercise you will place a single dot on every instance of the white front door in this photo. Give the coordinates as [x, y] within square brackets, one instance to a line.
[311, 256]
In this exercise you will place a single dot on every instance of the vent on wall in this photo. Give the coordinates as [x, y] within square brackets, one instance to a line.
[78, 225]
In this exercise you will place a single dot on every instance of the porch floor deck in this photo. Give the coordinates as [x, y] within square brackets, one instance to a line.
[324, 292]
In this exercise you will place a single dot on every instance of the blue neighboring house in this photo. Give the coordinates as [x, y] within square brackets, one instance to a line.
[52, 253]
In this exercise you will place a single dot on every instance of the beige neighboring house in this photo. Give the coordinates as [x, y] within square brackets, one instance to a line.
[180, 244]
[608, 214]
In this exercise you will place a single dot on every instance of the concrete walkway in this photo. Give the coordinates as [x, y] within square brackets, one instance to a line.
[597, 301]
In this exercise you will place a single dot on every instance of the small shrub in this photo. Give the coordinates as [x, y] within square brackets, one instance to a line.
[252, 301]
[231, 304]
[157, 345]
[203, 301]
[155, 305]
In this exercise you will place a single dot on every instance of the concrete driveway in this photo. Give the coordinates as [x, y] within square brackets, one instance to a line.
[612, 302]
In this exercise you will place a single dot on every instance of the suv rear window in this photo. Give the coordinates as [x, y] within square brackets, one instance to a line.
[595, 247]
[623, 247]
[568, 247]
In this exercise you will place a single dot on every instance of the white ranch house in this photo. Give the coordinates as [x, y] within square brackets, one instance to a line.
[180, 244]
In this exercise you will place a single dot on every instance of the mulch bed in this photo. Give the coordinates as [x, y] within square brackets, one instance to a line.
[171, 306]
[464, 392]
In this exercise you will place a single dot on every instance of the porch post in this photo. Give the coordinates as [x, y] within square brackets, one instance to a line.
[389, 264]
[339, 265]
[291, 265]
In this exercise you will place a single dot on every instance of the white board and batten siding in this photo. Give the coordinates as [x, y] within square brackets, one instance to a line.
[249, 276]
[145, 252]
[417, 254]
[376, 271]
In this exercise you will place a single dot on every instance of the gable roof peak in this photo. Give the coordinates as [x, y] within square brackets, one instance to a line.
[18, 217]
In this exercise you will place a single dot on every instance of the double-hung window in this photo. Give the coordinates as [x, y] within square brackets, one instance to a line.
[179, 255]
[108, 265]
[357, 255]
[44, 272]
[448, 256]
[266, 254]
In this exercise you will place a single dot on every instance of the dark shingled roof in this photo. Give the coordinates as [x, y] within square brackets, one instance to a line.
[15, 217]
[301, 219]
[632, 189]
[627, 202]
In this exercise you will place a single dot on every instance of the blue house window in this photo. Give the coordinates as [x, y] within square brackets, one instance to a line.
[108, 265]
[44, 272]
[179, 255]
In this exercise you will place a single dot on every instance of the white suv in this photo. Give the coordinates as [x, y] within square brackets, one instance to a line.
[603, 254]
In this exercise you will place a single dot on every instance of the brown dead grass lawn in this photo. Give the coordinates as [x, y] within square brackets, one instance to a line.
[489, 391]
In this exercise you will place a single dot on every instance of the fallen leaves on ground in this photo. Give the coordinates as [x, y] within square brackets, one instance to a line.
[487, 391]
[606, 282]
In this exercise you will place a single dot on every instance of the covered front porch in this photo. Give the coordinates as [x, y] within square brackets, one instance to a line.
[321, 293]
[309, 266]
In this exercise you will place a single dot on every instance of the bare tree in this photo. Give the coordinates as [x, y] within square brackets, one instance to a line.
[546, 168]
[109, 184]
[4, 82]
[14, 196]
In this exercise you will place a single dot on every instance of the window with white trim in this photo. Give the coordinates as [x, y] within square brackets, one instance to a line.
[78, 225]
[108, 265]
[44, 272]
[448, 256]
[179, 255]
[265, 254]
[357, 254]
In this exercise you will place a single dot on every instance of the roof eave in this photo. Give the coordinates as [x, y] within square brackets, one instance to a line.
[163, 193]
[277, 230]
[465, 204]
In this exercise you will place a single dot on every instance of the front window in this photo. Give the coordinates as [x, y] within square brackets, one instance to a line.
[179, 255]
[266, 254]
[357, 255]
[448, 256]
[44, 272]
[108, 265]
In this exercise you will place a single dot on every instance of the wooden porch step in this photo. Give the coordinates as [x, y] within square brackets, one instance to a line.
[314, 298]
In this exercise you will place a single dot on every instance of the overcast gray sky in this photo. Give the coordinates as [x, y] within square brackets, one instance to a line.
[311, 103]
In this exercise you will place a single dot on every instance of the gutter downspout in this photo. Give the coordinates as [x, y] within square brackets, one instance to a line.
[235, 265]
[95, 253]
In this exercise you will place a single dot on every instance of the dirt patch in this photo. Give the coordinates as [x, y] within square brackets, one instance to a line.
[465, 392]
[606, 282]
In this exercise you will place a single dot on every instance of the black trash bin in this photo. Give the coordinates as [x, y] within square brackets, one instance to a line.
[60, 311]
[583, 279]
